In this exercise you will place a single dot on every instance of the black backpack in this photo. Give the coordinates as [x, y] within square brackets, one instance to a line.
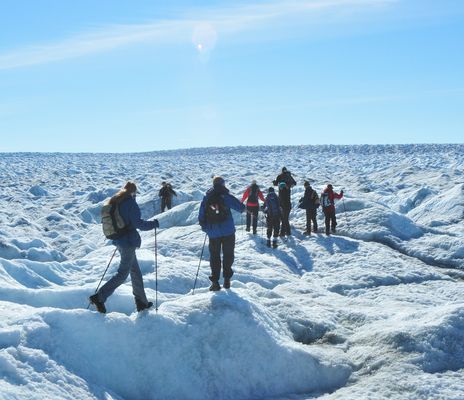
[253, 196]
[215, 209]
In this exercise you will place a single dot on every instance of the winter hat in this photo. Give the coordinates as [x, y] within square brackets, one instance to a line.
[218, 181]
[253, 182]
[284, 169]
[329, 186]
[306, 184]
[282, 185]
[270, 190]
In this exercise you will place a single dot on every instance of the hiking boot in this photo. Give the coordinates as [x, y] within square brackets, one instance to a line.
[100, 306]
[247, 229]
[226, 283]
[215, 287]
[142, 306]
[254, 232]
[268, 243]
[306, 233]
[274, 244]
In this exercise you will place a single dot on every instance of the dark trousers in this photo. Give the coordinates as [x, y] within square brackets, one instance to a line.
[252, 217]
[311, 217]
[166, 202]
[273, 225]
[285, 227]
[330, 221]
[227, 244]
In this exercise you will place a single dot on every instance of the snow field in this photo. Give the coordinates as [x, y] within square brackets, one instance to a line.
[374, 312]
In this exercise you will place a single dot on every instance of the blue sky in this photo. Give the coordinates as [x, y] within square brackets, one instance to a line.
[121, 76]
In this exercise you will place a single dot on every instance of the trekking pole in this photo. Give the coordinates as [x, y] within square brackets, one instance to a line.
[104, 273]
[156, 272]
[201, 256]
[346, 217]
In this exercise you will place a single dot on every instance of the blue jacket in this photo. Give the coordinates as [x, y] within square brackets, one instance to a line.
[130, 213]
[226, 227]
[271, 205]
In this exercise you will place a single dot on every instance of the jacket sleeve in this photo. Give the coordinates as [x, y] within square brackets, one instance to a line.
[137, 222]
[291, 181]
[245, 194]
[160, 193]
[337, 196]
[260, 195]
[232, 202]
[201, 214]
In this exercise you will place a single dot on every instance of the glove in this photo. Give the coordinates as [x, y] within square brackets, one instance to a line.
[203, 228]
[155, 224]
[263, 207]
[341, 191]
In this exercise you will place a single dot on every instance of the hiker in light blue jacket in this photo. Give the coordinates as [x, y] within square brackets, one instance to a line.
[216, 220]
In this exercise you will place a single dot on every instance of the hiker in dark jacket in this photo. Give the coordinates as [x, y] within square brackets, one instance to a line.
[285, 176]
[166, 192]
[216, 220]
[273, 214]
[310, 202]
[251, 195]
[127, 244]
[286, 206]
[328, 197]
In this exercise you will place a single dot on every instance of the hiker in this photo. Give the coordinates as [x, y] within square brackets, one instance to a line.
[285, 205]
[273, 213]
[310, 202]
[166, 192]
[285, 176]
[328, 197]
[252, 194]
[127, 244]
[216, 220]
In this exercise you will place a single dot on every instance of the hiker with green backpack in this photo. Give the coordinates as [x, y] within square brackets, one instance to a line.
[216, 221]
[121, 218]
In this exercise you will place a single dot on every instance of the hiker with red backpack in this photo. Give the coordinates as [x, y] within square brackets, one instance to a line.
[216, 221]
[328, 197]
[251, 195]
[127, 241]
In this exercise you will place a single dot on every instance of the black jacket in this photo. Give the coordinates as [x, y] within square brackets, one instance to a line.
[167, 191]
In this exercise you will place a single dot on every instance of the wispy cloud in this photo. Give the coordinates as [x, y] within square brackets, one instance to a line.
[225, 21]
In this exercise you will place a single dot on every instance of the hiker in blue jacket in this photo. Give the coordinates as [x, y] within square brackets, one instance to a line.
[216, 220]
[127, 244]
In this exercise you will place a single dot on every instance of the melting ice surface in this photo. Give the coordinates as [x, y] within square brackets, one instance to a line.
[376, 311]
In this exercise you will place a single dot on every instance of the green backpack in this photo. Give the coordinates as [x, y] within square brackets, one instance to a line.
[112, 223]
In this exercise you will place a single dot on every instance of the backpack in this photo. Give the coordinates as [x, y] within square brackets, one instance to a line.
[253, 196]
[216, 210]
[112, 223]
[325, 200]
[272, 205]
